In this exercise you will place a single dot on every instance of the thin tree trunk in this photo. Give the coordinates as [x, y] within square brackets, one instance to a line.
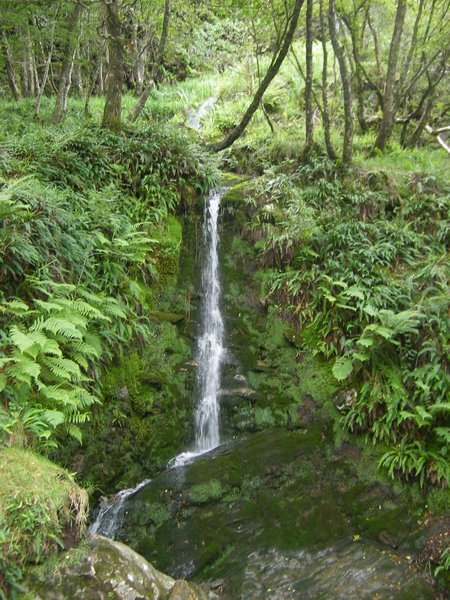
[347, 148]
[358, 71]
[43, 82]
[416, 134]
[326, 111]
[155, 71]
[387, 122]
[404, 70]
[9, 67]
[309, 123]
[67, 64]
[28, 66]
[376, 45]
[112, 113]
[101, 78]
[77, 76]
[90, 89]
[275, 65]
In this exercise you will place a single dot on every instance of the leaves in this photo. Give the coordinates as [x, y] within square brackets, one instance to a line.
[342, 368]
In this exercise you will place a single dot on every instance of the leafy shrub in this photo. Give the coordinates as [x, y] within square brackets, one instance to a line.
[369, 289]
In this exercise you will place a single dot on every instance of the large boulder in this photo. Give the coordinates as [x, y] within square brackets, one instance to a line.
[110, 570]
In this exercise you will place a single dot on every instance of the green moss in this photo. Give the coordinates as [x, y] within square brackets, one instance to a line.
[438, 501]
[234, 197]
[40, 508]
[145, 418]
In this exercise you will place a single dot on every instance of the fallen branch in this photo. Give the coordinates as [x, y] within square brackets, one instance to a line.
[439, 138]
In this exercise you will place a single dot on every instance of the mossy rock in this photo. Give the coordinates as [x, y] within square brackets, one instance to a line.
[234, 197]
[111, 571]
[41, 508]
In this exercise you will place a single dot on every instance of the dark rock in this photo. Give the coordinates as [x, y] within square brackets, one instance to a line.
[242, 392]
[345, 399]
[348, 450]
[123, 394]
[387, 538]
[306, 410]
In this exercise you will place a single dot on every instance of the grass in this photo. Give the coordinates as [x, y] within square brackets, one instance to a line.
[42, 509]
[431, 163]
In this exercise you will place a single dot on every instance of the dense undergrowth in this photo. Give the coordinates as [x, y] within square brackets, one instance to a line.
[359, 264]
[82, 210]
[356, 260]
[87, 243]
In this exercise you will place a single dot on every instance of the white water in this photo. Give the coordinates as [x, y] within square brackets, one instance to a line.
[210, 344]
[109, 517]
[210, 353]
[195, 116]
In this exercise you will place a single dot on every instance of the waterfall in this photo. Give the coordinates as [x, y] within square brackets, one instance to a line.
[210, 345]
[109, 516]
[210, 351]
[195, 116]
[210, 342]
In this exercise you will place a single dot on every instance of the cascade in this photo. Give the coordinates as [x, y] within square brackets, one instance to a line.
[211, 349]
[195, 116]
[210, 352]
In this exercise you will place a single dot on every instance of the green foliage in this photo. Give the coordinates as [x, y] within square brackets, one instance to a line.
[368, 288]
[87, 233]
[40, 508]
[203, 493]
[444, 562]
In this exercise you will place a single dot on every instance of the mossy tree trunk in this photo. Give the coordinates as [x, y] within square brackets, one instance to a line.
[387, 122]
[309, 122]
[73, 34]
[347, 148]
[112, 113]
[326, 111]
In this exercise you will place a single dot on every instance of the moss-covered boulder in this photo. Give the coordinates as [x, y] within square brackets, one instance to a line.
[41, 509]
[111, 571]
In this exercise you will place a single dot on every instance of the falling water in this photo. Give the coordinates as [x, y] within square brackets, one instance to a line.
[210, 346]
[110, 514]
[195, 116]
[209, 357]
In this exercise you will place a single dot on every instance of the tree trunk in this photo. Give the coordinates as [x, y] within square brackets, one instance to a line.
[112, 114]
[67, 64]
[309, 111]
[77, 76]
[387, 122]
[43, 82]
[416, 134]
[339, 52]
[9, 67]
[275, 65]
[325, 112]
[359, 71]
[155, 71]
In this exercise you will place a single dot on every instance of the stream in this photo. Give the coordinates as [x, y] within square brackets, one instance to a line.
[264, 510]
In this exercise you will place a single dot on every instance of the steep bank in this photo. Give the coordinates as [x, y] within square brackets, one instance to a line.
[298, 492]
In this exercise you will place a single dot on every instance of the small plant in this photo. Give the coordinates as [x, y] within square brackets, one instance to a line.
[203, 493]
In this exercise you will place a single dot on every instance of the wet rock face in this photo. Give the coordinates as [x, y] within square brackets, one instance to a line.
[355, 571]
[112, 571]
[279, 509]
